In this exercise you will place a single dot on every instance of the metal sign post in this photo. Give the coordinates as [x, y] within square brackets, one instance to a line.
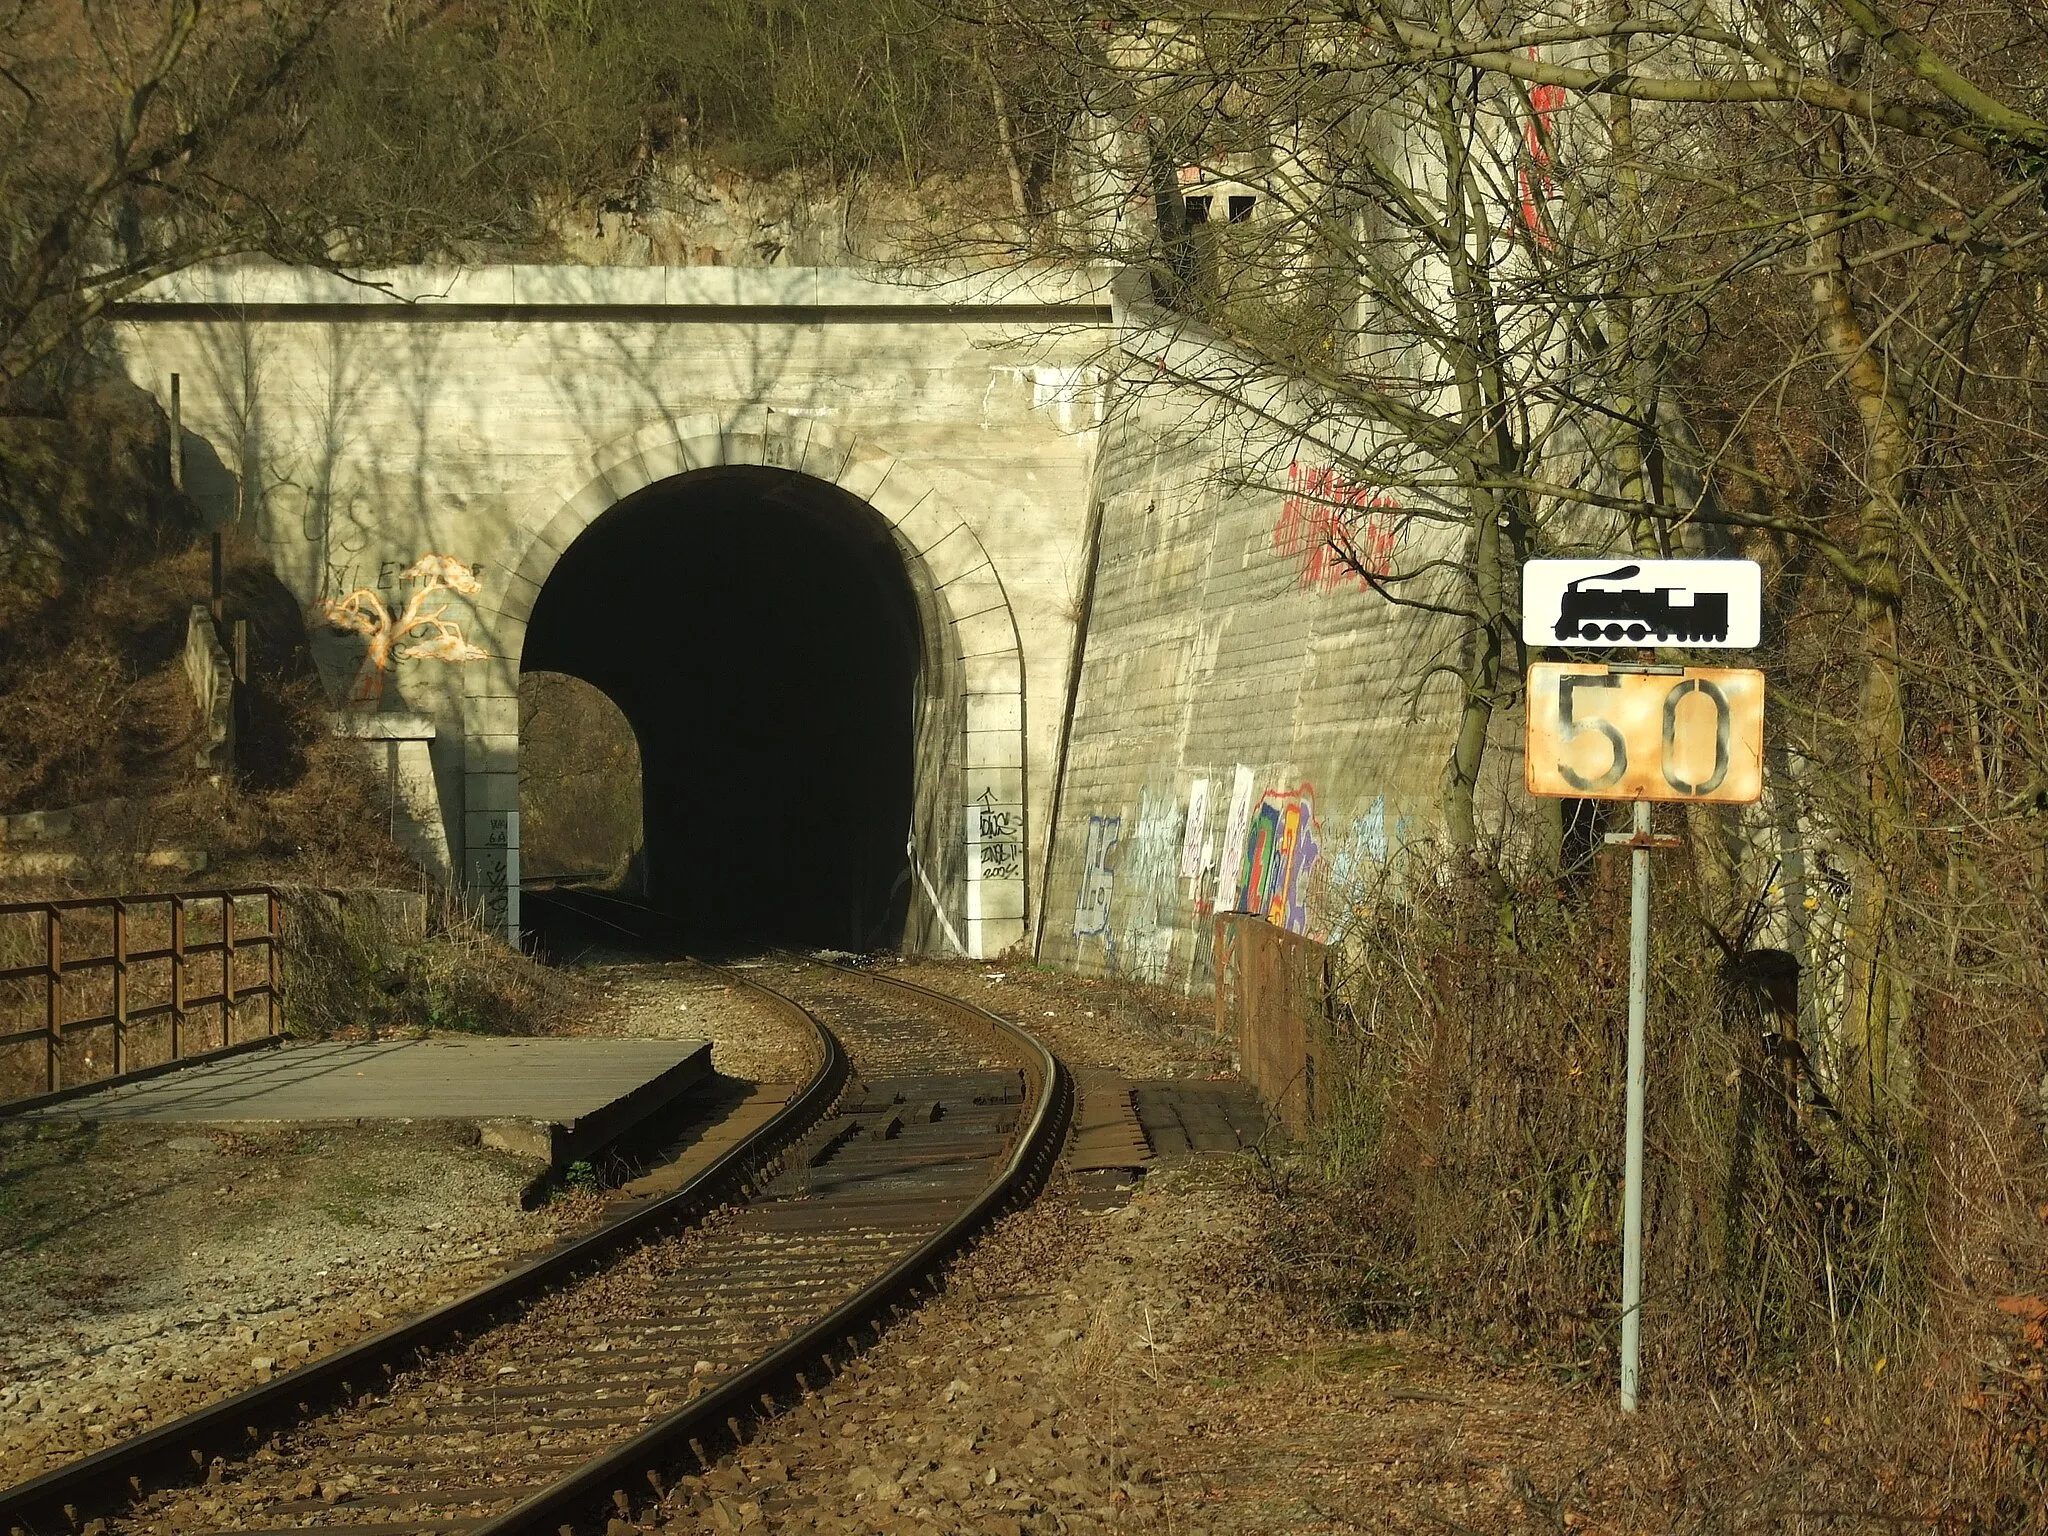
[1632, 1158]
[1641, 733]
[1640, 842]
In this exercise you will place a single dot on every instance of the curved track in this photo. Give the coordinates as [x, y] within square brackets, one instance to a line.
[570, 1392]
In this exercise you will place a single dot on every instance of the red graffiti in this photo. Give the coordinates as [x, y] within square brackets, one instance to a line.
[1339, 530]
[1539, 140]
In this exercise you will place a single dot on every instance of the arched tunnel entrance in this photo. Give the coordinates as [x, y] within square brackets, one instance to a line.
[760, 632]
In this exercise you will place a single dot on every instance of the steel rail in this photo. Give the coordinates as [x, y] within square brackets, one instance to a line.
[173, 1452]
[591, 1494]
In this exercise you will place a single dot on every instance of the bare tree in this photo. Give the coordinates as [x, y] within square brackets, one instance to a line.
[1656, 277]
[1853, 159]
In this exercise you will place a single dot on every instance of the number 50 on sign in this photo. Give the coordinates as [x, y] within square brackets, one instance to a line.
[1601, 733]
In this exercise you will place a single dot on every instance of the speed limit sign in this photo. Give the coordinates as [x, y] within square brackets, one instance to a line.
[1642, 733]
[1645, 733]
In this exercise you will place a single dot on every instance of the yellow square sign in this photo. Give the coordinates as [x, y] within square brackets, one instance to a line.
[1600, 733]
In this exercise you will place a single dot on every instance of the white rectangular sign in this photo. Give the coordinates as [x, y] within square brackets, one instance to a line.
[1197, 831]
[1620, 601]
[1235, 831]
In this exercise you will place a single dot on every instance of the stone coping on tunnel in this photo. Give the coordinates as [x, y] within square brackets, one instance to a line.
[556, 286]
[549, 1099]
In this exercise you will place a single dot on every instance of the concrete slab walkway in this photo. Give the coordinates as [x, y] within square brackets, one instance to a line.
[549, 1099]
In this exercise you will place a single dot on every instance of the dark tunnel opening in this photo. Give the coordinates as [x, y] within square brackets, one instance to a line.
[758, 629]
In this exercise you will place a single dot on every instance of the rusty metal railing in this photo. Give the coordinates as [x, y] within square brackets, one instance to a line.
[118, 972]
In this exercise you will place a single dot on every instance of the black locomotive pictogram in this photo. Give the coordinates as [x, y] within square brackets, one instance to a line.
[1634, 614]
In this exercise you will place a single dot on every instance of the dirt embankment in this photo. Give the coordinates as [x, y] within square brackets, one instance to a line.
[1093, 1372]
[97, 716]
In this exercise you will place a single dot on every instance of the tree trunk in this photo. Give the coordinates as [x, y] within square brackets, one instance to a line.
[1872, 1074]
[1006, 142]
[1480, 679]
[1473, 351]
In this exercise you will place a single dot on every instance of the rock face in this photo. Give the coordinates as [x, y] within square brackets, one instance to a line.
[694, 214]
[212, 677]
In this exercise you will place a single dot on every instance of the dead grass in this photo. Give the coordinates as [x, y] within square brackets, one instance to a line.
[84, 482]
[95, 710]
[353, 974]
[93, 703]
[1843, 1322]
[96, 713]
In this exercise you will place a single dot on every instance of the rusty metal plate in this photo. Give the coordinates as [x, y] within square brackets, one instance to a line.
[1691, 734]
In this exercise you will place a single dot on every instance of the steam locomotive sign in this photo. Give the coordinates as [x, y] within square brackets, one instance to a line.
[1631, 728]
[1699, 603]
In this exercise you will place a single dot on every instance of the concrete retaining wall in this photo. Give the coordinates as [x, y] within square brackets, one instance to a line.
[398, 747]
[1254, 730]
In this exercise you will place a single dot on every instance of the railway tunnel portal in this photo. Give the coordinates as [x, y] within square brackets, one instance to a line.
[971, 604]
[765, 638]
[822, 666]
[815, 531]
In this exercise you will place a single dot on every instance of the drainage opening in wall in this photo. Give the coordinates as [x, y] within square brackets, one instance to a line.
[759, 632]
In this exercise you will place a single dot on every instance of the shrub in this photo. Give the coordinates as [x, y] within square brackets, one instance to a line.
[1801, 1264]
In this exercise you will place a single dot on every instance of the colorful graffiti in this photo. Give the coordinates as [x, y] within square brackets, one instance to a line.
[1279, 855]
[1278, 862]
[1098, 874]
[362, 612]
[1350, 865]
[1339, 530]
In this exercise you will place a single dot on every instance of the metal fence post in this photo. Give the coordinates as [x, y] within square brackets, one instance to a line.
[276, 922]
[120, 987]
[227, 969]
[53, 1067]
[177, 977]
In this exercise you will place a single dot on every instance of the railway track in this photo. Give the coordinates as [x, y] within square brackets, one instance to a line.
[568, 1394]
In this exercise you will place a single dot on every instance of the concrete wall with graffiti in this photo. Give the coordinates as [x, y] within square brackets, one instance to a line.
[1255, 727]
[1255, 730]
